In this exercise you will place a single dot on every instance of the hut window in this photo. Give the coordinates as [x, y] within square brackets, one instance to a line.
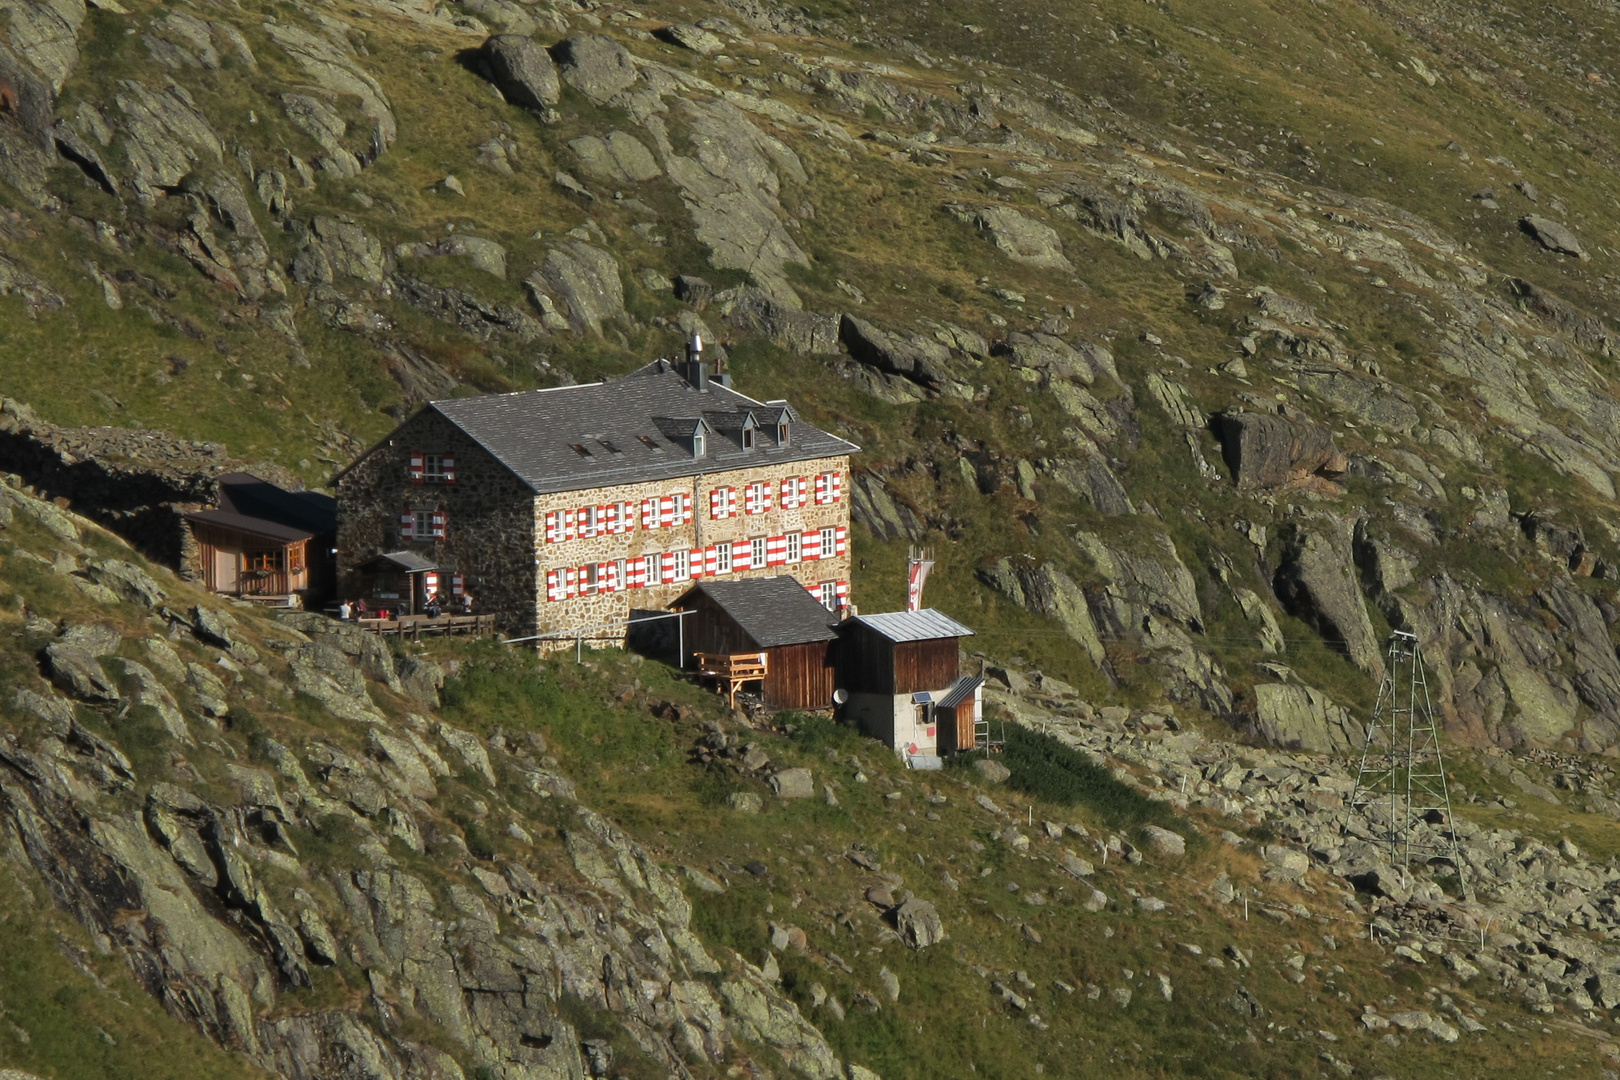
[438, 469]
[756, 552]
[579, 449]
[683, 564]
[794, 549]
[748, 438]
[829, 542]
[722, 559]
[827, 593]
[262, 562]
[699, 444]
[422, 524]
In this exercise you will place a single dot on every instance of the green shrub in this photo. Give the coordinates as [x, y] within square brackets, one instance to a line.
[1046, 769]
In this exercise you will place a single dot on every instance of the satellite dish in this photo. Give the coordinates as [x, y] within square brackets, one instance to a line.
[840, 696]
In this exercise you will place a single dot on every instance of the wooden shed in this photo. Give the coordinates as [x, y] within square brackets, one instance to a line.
[775, 617]
[263, 542]
[897, 666]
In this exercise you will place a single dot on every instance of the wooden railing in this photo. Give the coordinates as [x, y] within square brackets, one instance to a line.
[414, 626]
[731, 670]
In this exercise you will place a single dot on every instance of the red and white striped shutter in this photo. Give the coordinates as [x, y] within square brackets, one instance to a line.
[458, 584]
[837, 486]
[418, 467]
[649, 514]
[823, 487]
[694, 562]
[717, 504]
[644, 571]
[570, 576]
[810, 545]
[711, 560]
[786, 495]
[554, 588]
[612, 525]
[553, 526]
[627, 517]
[430, 583]
[813, 590]
[666, 568]
[684, 509]
[840, 541]
[775, 550]
[765, 498]
[843, 594]
[449, 465]
[666, 512]
[742, 555]
[602, 526]
[731, 502]
[407, 525]
[613, 580]
[569, 524]
[439, 524]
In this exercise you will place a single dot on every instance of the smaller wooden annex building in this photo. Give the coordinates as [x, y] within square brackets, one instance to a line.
[775, 618]
[903, 673]
[265, 543]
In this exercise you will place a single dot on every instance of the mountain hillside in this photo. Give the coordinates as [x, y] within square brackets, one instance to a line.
[1206, 345]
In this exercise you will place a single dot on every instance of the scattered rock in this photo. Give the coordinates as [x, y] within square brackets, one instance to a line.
[992, 770]
[596, 66]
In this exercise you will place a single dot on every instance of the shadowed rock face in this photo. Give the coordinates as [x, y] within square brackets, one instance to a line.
[1317, 582]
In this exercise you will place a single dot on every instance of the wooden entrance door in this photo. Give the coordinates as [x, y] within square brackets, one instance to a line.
[227, 571]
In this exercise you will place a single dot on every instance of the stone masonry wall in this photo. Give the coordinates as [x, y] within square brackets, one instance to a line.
[489, 518]
[611, 607]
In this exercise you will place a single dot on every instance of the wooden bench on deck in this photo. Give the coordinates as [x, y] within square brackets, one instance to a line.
[731, 670]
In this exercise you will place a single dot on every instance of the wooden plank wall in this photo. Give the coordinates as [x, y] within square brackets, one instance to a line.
[800, 676]
[867, 660]
[926, 665]
[711, 630]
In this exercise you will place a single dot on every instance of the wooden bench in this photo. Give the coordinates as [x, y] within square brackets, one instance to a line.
[730, 670]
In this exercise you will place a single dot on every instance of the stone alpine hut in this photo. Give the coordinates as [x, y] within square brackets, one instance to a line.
[569, 510]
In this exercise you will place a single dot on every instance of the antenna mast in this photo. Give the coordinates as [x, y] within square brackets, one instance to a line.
[1401, 788]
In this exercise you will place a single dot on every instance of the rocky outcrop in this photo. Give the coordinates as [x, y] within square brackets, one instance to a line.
[596, 66]
[1266, 451]
[1316, 581]
[1299, 717]
[1021, 239]
[136, 483]
[1048, 591]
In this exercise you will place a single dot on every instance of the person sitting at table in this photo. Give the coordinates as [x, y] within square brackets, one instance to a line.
[360, 611]
[464, 603]
[433, 608]
[345, 611]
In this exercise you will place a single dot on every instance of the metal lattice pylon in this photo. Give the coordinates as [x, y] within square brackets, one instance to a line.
[1401, 788]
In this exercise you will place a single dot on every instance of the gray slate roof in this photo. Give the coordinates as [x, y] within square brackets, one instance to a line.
[924, 625]
[773, 611]
[534, 432]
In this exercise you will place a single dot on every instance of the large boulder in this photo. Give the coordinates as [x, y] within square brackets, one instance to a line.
[1266, 451]
[522, 70]
[1300, 718]
[596, 66]
[1552, 235]
[919, 924]
[586, 279]
[617, 157]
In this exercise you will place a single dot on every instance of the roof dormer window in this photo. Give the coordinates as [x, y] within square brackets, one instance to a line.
[782, 432]
[699, 443]
[748, 438]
